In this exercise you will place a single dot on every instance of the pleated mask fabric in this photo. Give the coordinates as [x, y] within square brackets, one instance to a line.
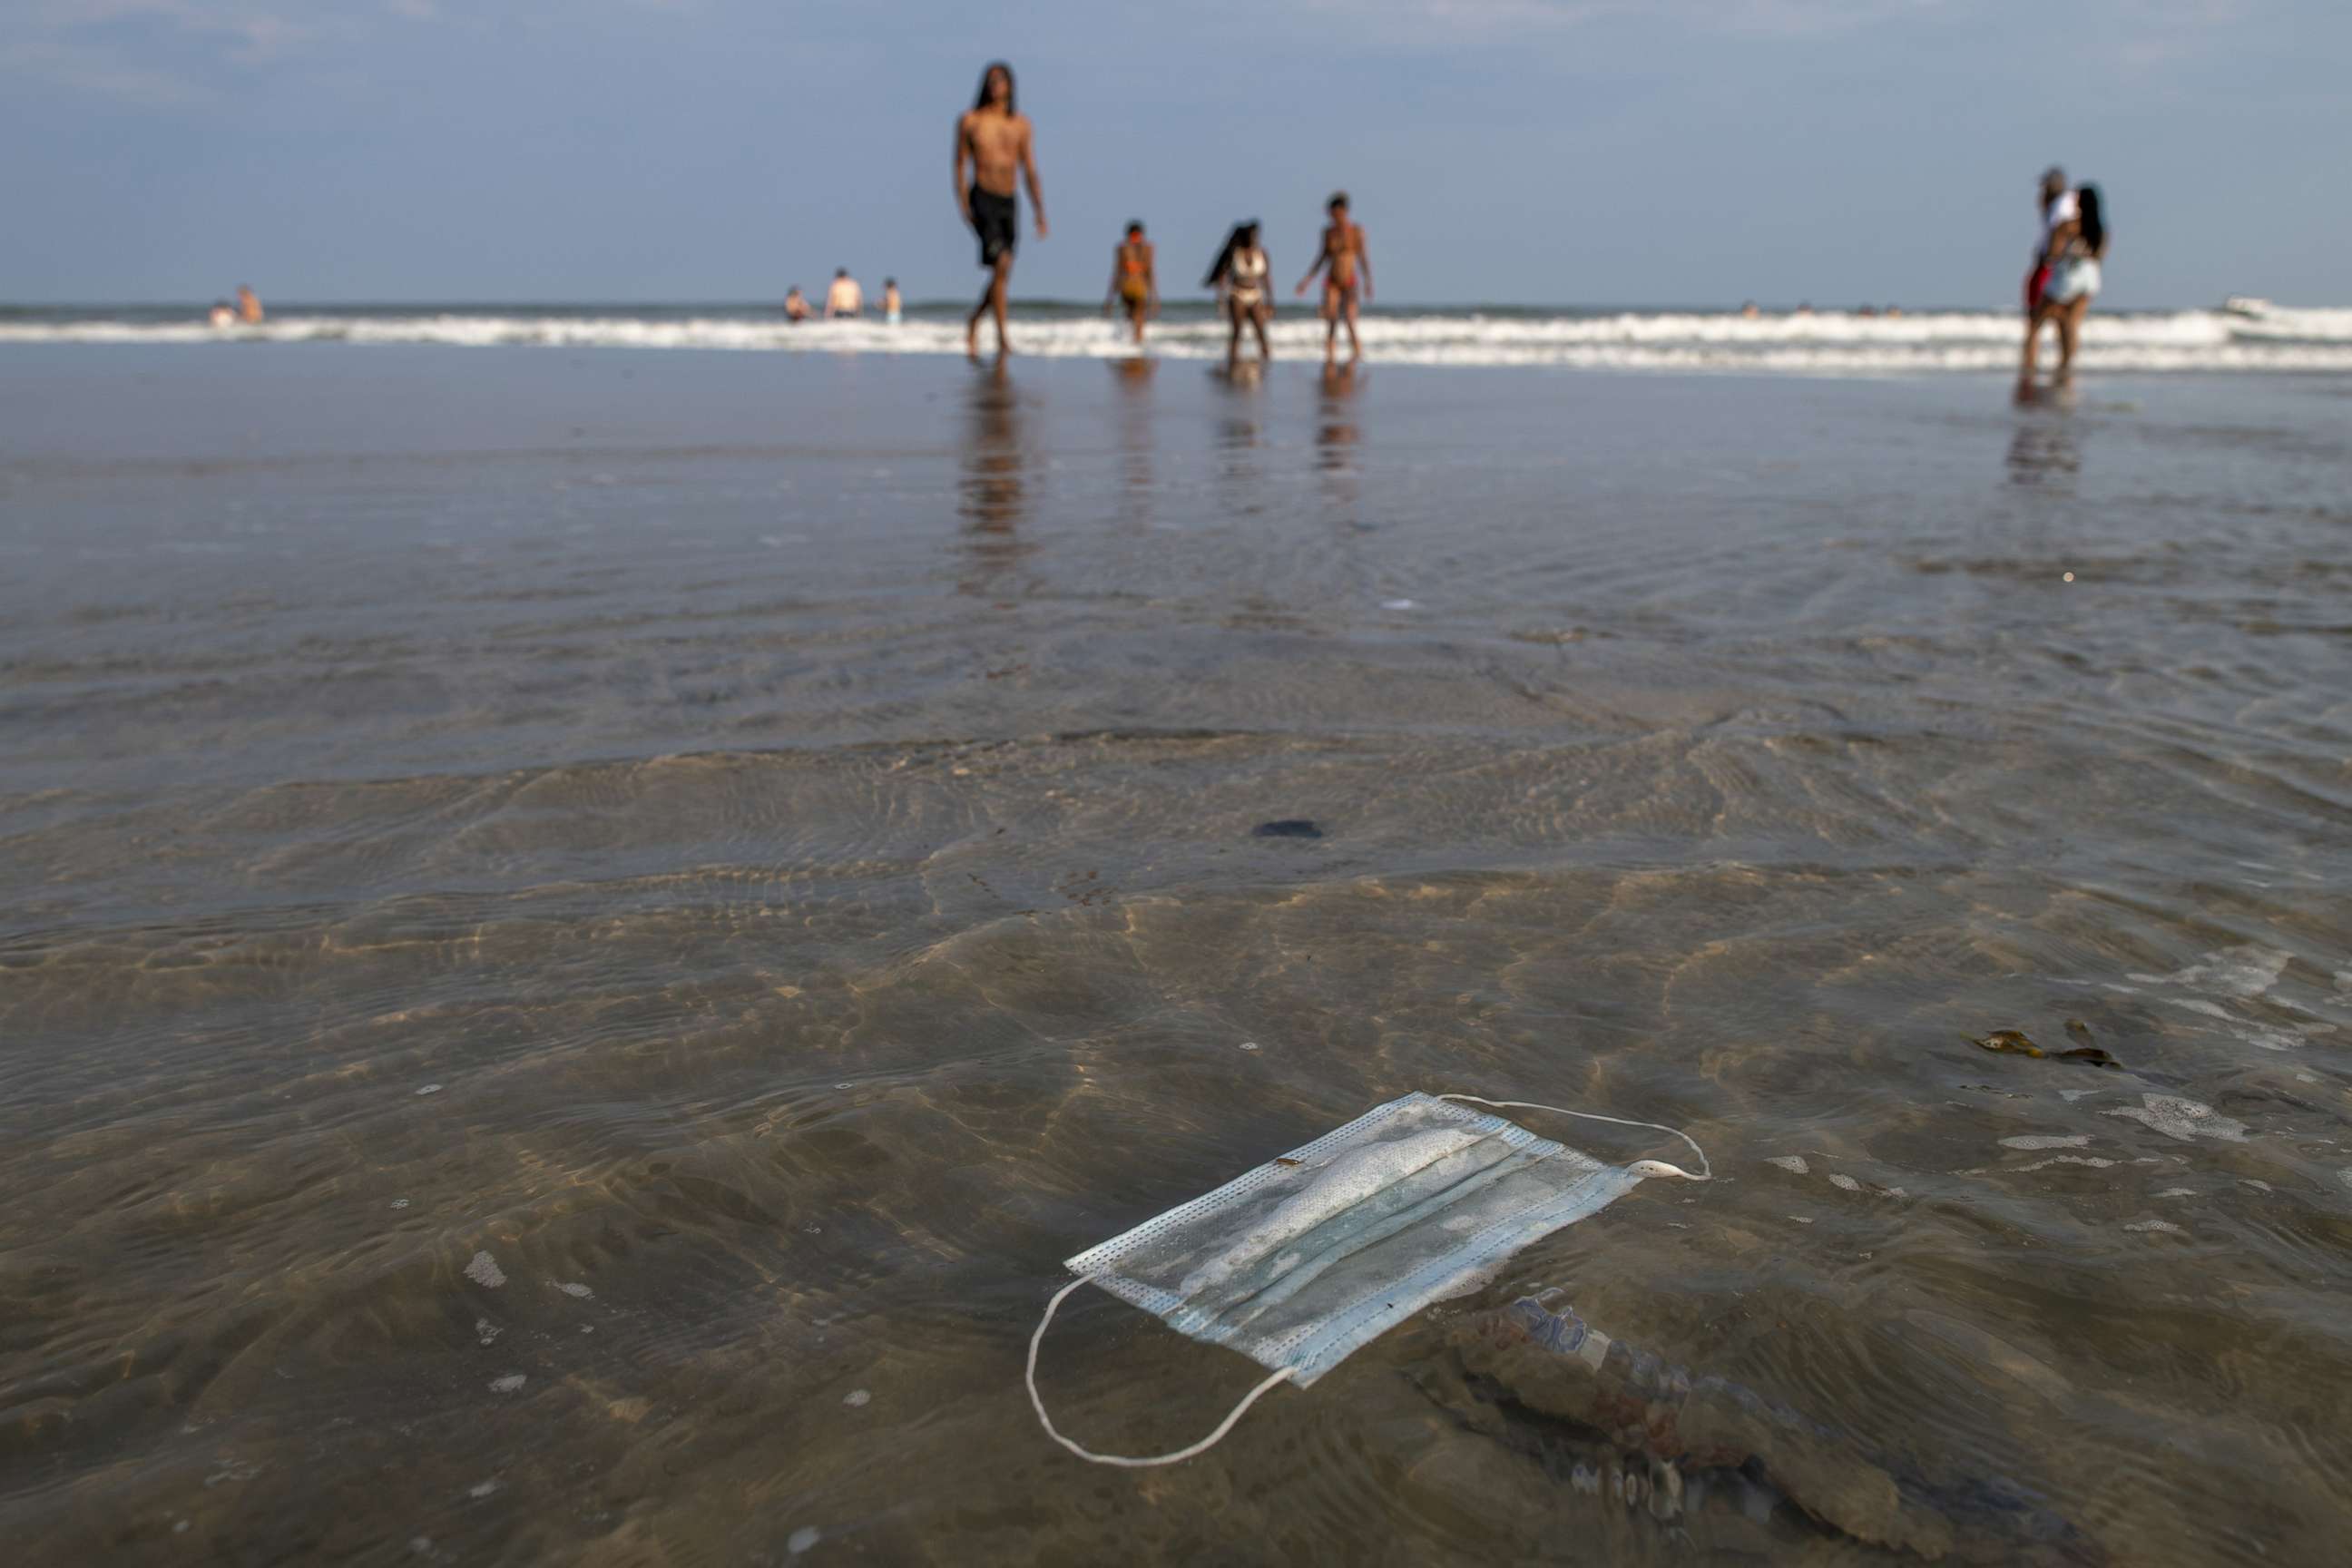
[1306, 1258]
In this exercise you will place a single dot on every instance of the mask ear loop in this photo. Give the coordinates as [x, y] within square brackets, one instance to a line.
[1125, 1461]
[1639, 1167]
[1037, 1336]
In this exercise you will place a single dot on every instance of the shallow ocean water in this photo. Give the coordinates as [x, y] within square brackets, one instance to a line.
[583, 929]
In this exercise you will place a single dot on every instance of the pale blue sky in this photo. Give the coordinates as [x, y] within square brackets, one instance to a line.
[1530, 150]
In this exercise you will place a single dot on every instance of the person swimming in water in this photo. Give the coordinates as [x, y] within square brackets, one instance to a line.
[890, 302]
[796, 306]
[1347, 279]
[1240, 273]
[1133, 282]
[248, 305]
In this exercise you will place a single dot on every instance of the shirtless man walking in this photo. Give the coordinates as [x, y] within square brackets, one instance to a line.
[994, 137]
[1350, 275]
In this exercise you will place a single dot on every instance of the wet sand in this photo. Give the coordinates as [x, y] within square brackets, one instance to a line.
[584, 931]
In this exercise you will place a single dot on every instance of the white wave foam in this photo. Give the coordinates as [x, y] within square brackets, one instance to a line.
[2315, 339]
[2285, 321]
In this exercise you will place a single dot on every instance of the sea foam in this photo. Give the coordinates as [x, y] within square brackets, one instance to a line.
[1825, 344]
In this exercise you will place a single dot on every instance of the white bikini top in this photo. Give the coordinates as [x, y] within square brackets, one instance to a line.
[1248, 268]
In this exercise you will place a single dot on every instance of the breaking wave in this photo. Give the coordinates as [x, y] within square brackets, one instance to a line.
[2274, 339]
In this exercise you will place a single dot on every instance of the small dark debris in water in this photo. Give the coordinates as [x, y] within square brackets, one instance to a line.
[2009, 1042]
[1289, 827]
[1287, 1160]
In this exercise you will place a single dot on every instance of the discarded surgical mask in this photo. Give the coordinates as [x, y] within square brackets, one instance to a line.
[1302, 1260]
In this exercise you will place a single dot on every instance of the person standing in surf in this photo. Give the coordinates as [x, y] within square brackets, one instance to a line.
[1133, 282]
[2055, 203]
[2065, 275]
[995, 137]
[1240, 275]
[2074, 277]
[1350, 278]
[843, 300]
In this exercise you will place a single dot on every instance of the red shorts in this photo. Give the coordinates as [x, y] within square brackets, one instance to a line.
[2035, 282]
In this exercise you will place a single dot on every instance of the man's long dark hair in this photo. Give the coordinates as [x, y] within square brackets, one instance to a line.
[993, 66]
[2093, 222]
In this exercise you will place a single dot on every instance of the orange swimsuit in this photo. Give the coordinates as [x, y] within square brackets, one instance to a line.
[1343, 260]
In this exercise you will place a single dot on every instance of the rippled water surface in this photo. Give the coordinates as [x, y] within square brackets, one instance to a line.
[581, 932]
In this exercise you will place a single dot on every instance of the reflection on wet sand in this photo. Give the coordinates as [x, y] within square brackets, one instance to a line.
[991, 491]
[2045, 451]
[1132, 377]
[1336, 433]
[1240, 436]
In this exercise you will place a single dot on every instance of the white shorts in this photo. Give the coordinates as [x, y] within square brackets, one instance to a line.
[2072, 280]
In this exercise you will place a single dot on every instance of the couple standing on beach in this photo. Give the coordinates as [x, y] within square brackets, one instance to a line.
[1242, 270]
[996, 139]
[2064, 277]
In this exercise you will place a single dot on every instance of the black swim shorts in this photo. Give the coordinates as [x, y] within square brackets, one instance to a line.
[995, 219]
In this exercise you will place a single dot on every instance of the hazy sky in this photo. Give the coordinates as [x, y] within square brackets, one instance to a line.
[1535, 151]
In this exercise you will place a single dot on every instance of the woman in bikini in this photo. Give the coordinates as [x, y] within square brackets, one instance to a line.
[1241, 273]
[1133, 283]
[2075, 276]
[1350, 275]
